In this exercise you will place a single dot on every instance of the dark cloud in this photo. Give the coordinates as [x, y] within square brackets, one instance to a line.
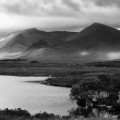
[71, 4]
[107, 2]
[13, 8]
[103, 2]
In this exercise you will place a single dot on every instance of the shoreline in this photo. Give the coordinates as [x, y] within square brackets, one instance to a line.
[47, 84]
[49, 81]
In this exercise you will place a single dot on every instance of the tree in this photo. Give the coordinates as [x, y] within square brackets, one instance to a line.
[86, 91]
[93, 91]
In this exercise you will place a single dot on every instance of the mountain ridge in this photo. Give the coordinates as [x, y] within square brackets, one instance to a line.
[95, 42]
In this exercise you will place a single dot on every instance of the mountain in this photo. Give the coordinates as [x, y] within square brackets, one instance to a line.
[96, 36]
[97, 42]
[24, 43]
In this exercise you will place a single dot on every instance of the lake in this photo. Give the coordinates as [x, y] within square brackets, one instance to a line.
[33, 97]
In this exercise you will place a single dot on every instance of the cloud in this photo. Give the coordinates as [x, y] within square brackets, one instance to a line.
[84, 53]
[58, 7]
[109, 55]
[58, 14]
[71, 4]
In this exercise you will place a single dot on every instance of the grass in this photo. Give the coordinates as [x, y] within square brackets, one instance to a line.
[26, 68]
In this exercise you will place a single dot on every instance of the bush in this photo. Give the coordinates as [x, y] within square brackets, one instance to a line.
[16, 112]
[44, 116]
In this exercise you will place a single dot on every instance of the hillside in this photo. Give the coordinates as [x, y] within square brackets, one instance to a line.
[19, 43]
[97, 42]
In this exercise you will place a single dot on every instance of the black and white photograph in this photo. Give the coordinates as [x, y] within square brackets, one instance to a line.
[59, 59]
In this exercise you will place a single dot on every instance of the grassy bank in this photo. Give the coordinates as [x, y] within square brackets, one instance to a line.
[70, 80]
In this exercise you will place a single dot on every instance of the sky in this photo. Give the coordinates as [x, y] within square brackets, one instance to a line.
[51, 15]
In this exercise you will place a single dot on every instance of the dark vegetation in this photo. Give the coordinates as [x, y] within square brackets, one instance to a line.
[105, 64]
[62, 81]
[101, 93]
[75, 114]
[96, 91]
[19, 114]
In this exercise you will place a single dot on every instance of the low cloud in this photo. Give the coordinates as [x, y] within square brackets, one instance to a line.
[84, 53]
[113, 55]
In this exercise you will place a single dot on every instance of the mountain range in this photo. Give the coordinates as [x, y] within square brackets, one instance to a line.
[96, 42]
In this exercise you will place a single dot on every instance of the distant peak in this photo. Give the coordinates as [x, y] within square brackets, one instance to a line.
[33, 30]
[97, 25]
